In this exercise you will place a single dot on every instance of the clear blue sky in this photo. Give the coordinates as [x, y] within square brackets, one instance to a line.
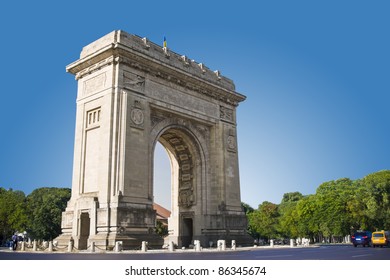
[316, 76]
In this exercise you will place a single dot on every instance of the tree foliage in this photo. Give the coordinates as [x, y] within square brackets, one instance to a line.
[377, 198]
[45, 207]
[264, 220]
[161, 229]
[287, 216]
[337, 209]
[13, 215]
[39, 213]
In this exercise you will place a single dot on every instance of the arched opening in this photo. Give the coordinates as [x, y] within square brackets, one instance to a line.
[180, 147]
[162, 177]
[162, 189]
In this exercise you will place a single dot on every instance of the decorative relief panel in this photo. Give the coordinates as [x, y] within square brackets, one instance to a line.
[156, 119]
[226, 114]
[203, 130]
[186, 198]
[158, 116]
[219, 94]
[134, 82]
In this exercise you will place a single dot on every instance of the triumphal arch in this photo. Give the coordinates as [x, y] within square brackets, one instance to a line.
[131, 94]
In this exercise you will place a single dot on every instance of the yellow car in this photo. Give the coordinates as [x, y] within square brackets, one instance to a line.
[380, 238]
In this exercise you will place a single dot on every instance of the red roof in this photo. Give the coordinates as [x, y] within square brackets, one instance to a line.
[162, 213]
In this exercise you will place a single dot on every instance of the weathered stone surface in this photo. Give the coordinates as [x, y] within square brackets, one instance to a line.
[131, 94]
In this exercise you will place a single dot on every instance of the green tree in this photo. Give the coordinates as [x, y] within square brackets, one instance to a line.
[336, 209]
[248, 210]
[287, 214]
[264, 220]
[13, 216]
[357, 207]
[291, 197]
[45, 207]
[377, 199]
[161, 228]
[306, 218]
[332, 205]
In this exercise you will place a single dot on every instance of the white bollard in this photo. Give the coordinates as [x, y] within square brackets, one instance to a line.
[291, 243]
[34, 245]
[221, 245]
[144, 247]
[50, 246]
[70, 246]
[118, 246]
[197, 245]
[93, 246]
[271, 243]
[171, 246]
[23, 247]
[233, 245]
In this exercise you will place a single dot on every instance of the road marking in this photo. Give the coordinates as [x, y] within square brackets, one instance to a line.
[274, 256]
[359, 256]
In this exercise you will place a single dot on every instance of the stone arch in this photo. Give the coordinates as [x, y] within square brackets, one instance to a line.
[141, 94]
[188, 151]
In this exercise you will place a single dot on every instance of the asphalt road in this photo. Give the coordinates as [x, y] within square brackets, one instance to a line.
[331, 252]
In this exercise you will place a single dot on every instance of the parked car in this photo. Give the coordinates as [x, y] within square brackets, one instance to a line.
[361, 237]
[380, 238]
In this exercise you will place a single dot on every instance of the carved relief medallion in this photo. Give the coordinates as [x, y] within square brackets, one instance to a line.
[231, 142]
[137, 116]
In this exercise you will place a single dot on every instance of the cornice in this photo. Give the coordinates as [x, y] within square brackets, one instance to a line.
[161, 63]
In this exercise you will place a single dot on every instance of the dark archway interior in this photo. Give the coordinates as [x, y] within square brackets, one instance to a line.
[85, 222]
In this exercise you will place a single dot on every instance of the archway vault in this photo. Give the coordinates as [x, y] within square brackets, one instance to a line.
[141, 93]
[182, 151]
[187, 150]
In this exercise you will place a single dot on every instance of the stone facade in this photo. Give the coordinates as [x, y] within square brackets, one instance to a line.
[131, 94]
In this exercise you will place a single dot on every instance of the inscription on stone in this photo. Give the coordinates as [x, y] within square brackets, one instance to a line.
[94, 84]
